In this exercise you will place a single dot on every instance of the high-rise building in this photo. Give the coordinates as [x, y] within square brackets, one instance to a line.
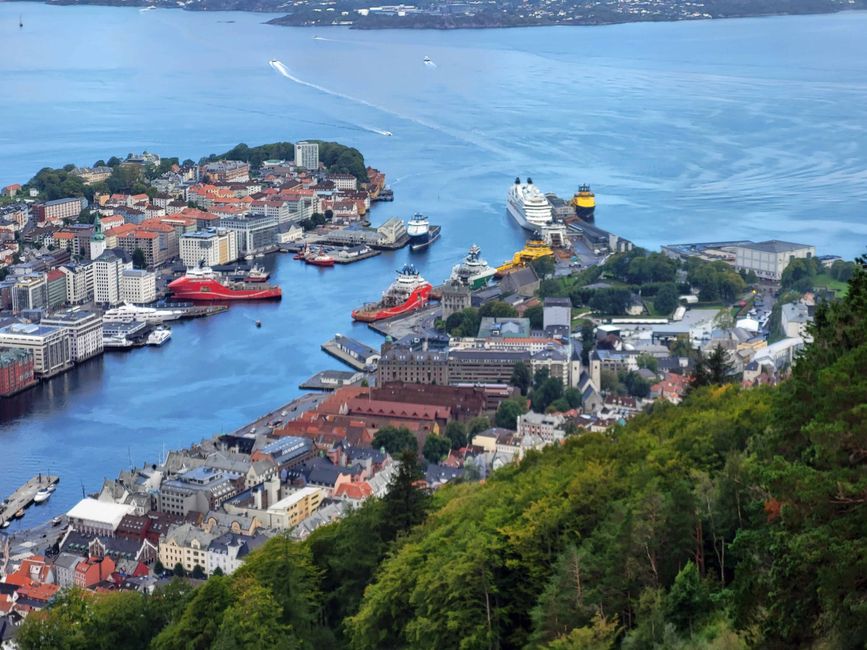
[107, 270]
[307, 155]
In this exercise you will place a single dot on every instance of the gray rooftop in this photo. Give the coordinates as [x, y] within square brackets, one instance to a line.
[775, 246]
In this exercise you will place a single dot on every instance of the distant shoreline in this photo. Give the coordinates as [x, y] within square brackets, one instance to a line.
[441, 23]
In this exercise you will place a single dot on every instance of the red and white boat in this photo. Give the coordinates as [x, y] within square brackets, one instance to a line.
[319, 259]
[408, 293]
[202, 283]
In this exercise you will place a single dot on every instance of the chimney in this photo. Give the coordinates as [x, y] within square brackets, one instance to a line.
[257, 498]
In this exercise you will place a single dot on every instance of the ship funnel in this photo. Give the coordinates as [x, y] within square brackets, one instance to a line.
[529, 181]
[517, 180]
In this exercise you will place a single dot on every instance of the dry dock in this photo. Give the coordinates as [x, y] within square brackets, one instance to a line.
[23, 496]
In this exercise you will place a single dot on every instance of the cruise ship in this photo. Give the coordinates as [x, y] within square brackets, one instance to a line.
[474, 272]
[202, 283]
[127, 313]
[406, 294]
[528, 206]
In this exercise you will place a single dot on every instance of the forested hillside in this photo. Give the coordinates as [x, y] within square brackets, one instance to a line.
[737, 519]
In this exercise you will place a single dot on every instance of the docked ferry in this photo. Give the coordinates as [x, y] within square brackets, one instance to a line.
[406, 294]
[474, 272]
[528, 206]
[584, 202]
[202, 283]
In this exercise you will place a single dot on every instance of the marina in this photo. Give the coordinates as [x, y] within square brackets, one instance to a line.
[37, 490]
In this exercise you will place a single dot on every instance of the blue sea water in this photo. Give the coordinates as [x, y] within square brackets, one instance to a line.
[698, 131]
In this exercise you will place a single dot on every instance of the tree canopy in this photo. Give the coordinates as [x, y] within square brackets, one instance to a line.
[735, 519]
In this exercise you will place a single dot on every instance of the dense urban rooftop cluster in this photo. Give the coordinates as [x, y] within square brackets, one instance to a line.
[116, 232]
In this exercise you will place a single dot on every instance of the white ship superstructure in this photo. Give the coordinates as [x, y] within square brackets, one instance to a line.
[127, 313]
[528, 206]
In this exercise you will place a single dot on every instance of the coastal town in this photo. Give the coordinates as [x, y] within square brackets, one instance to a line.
[579, 331]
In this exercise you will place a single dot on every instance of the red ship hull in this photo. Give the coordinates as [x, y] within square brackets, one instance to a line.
[210, 289]
[318, 262]
[417, 299]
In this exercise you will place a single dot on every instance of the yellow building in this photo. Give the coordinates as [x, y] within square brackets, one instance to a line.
[185, 544]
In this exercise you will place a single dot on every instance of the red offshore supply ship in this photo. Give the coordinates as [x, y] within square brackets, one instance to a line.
[202, 283]
[406, 294]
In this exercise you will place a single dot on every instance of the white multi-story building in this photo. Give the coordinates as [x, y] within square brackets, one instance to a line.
[79, 282]
[547, 426]
[50, 346]
[185, 544]
[213, 246]
[138, 286]
[307, 155]
[228, 551]
[107, 273]
[84, 329]
[252, 232]
[768, 259]
[343, 181]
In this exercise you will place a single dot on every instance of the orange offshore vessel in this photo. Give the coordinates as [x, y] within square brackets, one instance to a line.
[201, 283]
[406, 294]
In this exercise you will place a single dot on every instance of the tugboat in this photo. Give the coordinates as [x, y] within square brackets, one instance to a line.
[202, 283]
[474, 272]
[584, 202]
[319, 259]
[408, 293]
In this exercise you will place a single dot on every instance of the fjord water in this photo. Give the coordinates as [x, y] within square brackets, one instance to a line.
[697, 131]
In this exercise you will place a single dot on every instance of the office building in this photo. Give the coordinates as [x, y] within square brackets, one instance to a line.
[50, 346]
[84, 329]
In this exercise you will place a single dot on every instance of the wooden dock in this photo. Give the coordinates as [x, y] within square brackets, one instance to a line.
[23, 496]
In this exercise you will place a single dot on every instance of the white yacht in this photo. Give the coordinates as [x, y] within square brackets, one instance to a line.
[42, 495]
[160, 335]
[528, 206]
[127, 313]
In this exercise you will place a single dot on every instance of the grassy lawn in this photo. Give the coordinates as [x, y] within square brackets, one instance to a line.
[826, 281]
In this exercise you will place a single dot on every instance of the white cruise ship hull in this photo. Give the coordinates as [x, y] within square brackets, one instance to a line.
[518, 215]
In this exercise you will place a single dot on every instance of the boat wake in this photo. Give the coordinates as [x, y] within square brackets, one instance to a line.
[281, 68]
[456, 134]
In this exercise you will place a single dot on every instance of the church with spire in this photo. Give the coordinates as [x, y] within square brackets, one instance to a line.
[97, 240]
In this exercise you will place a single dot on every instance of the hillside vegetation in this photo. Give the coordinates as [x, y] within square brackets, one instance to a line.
[736, 519]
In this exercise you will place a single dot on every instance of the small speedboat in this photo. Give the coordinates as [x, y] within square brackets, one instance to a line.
[258, 323]
[5, 524]
[19, 514]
